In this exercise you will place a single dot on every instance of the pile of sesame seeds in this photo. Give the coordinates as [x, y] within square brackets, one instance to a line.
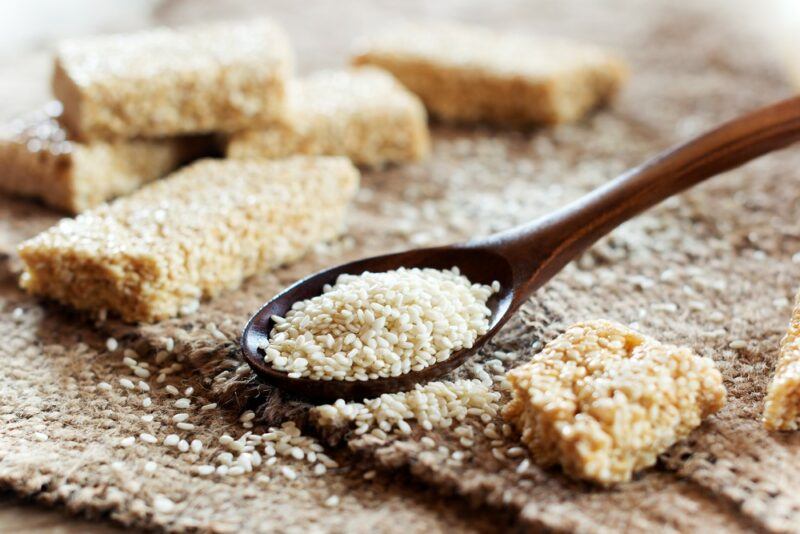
[432, 405]
[377, 325]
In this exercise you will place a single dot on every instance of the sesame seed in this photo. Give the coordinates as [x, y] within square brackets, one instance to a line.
[127, 384]
[150, 467]
[147, 418]
[185, 426]
[180, 417]
[288, 472]
[127, 442]
[40, 436]
[163, 504]
[737, 344]
[148, 438]
[172, 390]
[209, 406]
[188, 391]
[183, 445]
[332, 501]
[205, 469]
[111, 344]
[104, 386]
[171, 440]
[183, 403]
[143, 386]
[146, 402]
[196, 445]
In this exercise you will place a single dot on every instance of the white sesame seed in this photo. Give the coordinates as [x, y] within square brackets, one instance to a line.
[196, 445]
[319, 469]
[183, 445]
[332, 501]
[163, 504]
[185, 426]
[147, 438]
[737, 344]
[150, 467]
[180, 417]
[247, 416]
[205, 469]
[40, 436]
[143, 386]
[225, 439]
[188, 391]
[104, 386]
[111, 344]
[236, 470]
[171, 440]
[209, 406]
[141, 372]
[172, 390]
[147, 418]
[127, 442]
[127, 384]
[288, 472]
[146, 402]
[183, 403]
[369, 475]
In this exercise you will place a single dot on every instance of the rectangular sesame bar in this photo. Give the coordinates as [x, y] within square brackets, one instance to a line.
[157, 252]
[161, 82]
[782, 404]
[39, 159]
[469, 74]
[364, 114]
[603, 401]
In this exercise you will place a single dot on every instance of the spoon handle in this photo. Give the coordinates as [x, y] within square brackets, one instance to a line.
[540, 249]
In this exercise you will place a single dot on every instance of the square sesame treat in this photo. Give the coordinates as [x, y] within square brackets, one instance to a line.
[467, 74]
[160, 82]
[782, 405]
[364, 114]
[603, 401]
[39, 159]
[156, 253]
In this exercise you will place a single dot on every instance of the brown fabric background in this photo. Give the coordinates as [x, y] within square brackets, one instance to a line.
[707, 268]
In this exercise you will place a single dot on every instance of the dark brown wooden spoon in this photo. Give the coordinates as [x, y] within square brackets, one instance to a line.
[524, 258]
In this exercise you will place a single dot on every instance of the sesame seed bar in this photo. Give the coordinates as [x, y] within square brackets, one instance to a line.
[160, 82]
[39, 159]
[467, 74]
[364, 114]
[157, 252]
[782, 405]
[603, 401]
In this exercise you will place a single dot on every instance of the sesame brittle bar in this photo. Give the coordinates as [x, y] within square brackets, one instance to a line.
[39, 159]
[603, 401]
[156, 253]
[160, 82]
[782, 405]
[364, 114]
[469, 74]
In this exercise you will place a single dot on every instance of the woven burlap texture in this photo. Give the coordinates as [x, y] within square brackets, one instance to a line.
[707, 268]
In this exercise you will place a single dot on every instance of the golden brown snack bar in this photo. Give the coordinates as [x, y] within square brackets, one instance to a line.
[39, 159]
[782, 405]
[157, 252]
[364, 114]
[160, 82]
[603, 401]
[468, 74]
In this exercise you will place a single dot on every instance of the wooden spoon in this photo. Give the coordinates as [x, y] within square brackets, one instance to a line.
[524, 258]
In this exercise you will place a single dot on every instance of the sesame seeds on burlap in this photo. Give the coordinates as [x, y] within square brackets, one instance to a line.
[711, 267]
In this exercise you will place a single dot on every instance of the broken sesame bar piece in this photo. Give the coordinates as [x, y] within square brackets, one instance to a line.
[39, 159]
[603, 401]
[468, 74]
[364, 114]
[782, 405]
[160, 82]
[156, 253]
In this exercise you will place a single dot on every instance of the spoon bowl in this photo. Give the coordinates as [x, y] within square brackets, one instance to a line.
[524, 258]
[478, 265]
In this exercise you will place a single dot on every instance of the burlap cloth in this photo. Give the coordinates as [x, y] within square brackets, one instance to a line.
[712, 266]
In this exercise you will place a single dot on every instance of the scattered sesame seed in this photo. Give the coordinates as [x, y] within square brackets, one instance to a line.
[147, 402]
[332, 501]
[172, 390]
[147, 418]
[737, 344]
[171, 440]
[185, 426]
[40, 436]
[183, 445]
[163, 504]
[205, 469]
[150, 467]
[104, 386]
[180, 417]
[209, 406]
[147, 438]
[126, 383]
[196, 445]
[288, 472]
[112, 344]
[183, 403]
[127, 442]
